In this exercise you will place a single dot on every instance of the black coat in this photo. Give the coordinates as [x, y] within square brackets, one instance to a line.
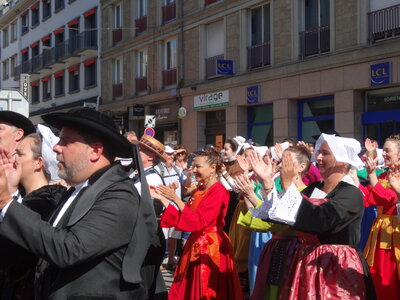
[86, 255]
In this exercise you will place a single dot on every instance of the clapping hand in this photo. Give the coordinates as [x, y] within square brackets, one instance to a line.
[370, 148]
[288, 172]
[263, 169]
[244, 184]
[12, 169]
[370, 164]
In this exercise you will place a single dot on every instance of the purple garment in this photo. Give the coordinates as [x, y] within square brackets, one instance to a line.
[312, 175]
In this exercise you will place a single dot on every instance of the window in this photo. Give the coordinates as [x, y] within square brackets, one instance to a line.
[141, 21]
[35, 92]
[168, 11]
[142, 63]
[46, 88]
[90, 73]
[215, 47]
[59, 43]
[169, 72]
[118, 71]
[25, 22]
[259, 52]
[142, 8]
[13, 64]
[316, 35]
[117, 33]
[74, 42]
[5, 69]
[5, 37]
[59, 84]
[13, 29]
[315, 115]
[35, 14]
[35, 49]
[73, 74]
[260, 124]
[59, 4]
[90, 24]
[46, 9]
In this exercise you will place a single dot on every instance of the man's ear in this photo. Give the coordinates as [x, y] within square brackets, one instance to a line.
[97, 150]
[19, 134]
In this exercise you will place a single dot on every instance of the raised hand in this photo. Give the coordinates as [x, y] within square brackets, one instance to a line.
[244, 184]
[278, 150]
[12, 169]
[243, 163]
[156, 195]
[263, 169]
[288, 172]
[5, 195]
[369, 146]
[370, 164]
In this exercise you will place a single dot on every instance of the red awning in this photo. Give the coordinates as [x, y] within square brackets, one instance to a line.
[44, 79]
[74, 68]
[58, 31]
[35, 6]
[45, 38]
[23, 51]
[89, 12]
[89, 62]
[35, 44]
[73, 22]
[58, 74]
[35, 83]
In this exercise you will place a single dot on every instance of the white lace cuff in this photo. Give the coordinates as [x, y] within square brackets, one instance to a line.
[262, 212]
[286, 205]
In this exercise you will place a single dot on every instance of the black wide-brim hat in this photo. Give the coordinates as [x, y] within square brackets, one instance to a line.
[93, 122]
[17, 120]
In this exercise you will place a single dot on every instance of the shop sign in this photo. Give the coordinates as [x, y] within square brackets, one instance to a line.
[24, 86]
[253, 94]
[381, 73]
[138, 111]
[162, 113]
[225, 67]
[216, 99]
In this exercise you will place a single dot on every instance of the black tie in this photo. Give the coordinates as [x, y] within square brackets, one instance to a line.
[65, 198]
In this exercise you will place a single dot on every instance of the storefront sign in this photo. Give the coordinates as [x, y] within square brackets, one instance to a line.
[216, 99]
[225, 67]
[138, 111]
[381, 73]
[253, 94]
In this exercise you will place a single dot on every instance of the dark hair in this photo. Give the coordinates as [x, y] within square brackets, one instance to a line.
[212, 156]
[233, 144]
[302, 155]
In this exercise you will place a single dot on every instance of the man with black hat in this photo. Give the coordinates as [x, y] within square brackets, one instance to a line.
[13, 128]
[96, 244]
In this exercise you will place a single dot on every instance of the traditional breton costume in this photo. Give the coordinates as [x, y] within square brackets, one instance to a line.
[327, 265]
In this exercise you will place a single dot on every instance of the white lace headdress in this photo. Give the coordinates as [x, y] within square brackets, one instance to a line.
[49, 156]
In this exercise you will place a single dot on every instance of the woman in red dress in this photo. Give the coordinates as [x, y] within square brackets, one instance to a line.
[206, 269]
[382, 250]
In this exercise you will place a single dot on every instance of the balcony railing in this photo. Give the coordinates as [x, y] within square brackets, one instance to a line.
[84, 41]
[211, 65]
[314, 41]
[168, 12]
[141, 24]
[259, 55]
[384, 23]
[141, 84]
[117, 35]
[169, 77]
[117, 90]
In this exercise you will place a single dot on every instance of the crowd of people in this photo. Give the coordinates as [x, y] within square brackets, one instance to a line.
[93, 214]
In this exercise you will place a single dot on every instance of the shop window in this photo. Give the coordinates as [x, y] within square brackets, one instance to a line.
[259, 52]
[315, 115]
[381, 117]
[46, 9]
[260, 124]
[215, 127]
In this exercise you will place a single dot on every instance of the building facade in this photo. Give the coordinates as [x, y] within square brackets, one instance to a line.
[56, 42]
[265, 70]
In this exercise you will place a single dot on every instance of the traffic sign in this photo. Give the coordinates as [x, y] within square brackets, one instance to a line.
[150, 121]
[149, 131]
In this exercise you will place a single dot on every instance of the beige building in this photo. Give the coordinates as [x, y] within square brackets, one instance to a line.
[265, 70]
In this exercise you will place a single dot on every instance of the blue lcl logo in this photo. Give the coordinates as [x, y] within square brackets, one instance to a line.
[381, 73]
[225, 67]
[253, 94]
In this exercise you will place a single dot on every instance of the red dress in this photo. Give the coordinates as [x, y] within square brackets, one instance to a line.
[382, 250]
[206, 269]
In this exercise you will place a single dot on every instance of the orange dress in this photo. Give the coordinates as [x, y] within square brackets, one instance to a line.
[206, 269]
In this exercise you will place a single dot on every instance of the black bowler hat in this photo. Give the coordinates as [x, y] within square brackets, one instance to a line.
[328, 131]
[17, 120]
[93, 122]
